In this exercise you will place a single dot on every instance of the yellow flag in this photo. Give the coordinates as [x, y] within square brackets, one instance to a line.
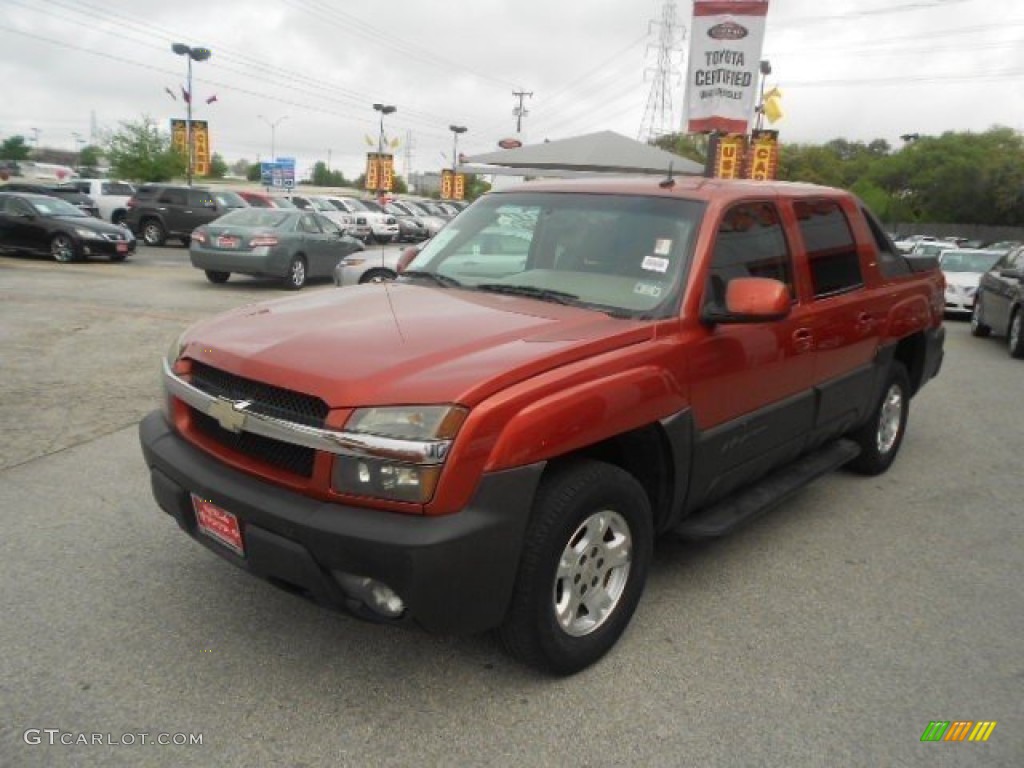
[772, 109]
[774, 93]
[394, 143]
[369, 142]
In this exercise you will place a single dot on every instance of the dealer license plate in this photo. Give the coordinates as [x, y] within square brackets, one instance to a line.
[121, 247]
[218, 524]
[227, 242]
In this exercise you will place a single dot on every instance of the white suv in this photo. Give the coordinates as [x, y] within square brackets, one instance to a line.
[383, 226]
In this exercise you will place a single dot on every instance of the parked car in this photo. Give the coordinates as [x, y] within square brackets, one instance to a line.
[111, 196]
[291, 244]
[325, 206]
[410, 228]
[963, 270]
[999, 303]
[68, 194]
[42, 224]
[383, 226]
[158, 212]
[433, 223]
[264, 200]
[376, 265]
[932, 247]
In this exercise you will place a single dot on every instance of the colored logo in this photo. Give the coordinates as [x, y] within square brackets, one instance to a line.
[958, 730]
[727, 30]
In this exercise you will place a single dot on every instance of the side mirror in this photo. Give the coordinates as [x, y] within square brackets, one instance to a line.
[751, 300]
[407, 256]
[1012, 274]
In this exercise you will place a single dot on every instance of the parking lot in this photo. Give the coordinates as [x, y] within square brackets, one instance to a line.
[828, 633]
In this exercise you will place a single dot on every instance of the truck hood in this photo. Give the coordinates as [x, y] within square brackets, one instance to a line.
[396, 343]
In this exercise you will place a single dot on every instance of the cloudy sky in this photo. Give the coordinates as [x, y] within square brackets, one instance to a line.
[858, 69]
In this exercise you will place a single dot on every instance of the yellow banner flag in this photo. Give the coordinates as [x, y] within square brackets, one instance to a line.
[772, 109]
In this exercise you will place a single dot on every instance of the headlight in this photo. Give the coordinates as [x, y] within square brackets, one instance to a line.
[415, 422]
[405, 429]
[348, 261]
[87, 234]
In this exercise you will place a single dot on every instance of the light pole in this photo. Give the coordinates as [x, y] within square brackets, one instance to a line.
[384, 109]
[191, 54]
[766, 69]
[456, 130]
[273, 133]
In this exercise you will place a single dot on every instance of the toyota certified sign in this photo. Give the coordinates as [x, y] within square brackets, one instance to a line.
[510, 143]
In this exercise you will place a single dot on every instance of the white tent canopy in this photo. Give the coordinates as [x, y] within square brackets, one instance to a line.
[602, 152]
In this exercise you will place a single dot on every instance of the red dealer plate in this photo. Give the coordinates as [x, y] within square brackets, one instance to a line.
[218, 524]
[227, 242]
[122, 247]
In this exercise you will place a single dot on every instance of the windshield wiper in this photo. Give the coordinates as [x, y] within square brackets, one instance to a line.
[443, 280]
[544, 294]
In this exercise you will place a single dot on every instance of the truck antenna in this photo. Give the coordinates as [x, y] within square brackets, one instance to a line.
[669, 182]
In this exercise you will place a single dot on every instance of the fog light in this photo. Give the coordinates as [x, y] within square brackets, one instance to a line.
[376, 595]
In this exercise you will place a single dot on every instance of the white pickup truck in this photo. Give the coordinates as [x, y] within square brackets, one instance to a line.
[110, 196]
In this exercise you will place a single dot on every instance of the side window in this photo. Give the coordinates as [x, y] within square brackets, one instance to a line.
[1016, 259]
[307, 223]
[890, 262]
[328, 226]
[831, 249]
[198, 198]
[750, 243]
[173, 197]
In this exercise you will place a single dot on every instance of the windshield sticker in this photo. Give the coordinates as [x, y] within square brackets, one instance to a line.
[655, 264]
[647, 289]
[663, 246]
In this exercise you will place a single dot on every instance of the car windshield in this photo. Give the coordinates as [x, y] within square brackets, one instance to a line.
[254, 217]
[229, 199]
[968, 261]
[414, 209]
[372, 205]
[320, 204]
[395, 210]
[624, 255]
[355, 205]
[56, 207]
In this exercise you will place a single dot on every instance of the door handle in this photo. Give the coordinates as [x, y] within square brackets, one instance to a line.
[864, 321]
[803, 339]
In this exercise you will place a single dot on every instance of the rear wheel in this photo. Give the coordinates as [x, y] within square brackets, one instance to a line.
[153, 232]
[214, 276]
[377, 276]
[117, 218]
[978, 328]
[584, 562]
[63, 249]
[296, 277]
[1015, 338]
[880, 438]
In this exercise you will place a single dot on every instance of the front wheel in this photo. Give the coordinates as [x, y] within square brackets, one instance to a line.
[880, 438]
[586, 553]
[63, 249]
[377, 276]
[978, 328]
[217, 277]
[1015, 338]
[153, 232]
[296, 277]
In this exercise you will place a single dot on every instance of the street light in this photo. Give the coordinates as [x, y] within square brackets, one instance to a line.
[456, 130]
[273, 131]
[766, 69]
[191, 54]
[384, 109]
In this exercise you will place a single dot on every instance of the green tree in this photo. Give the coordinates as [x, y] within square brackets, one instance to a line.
[89, 156]
[14, 148]
[218, 168]
[240, 168]
[138, 151]
[475, 187]
[253, 173]
[692, 146]
[322, 177]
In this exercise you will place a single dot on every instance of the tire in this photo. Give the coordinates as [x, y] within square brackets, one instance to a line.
[1015, 334]
[117, 218]
[880, 438]
[296, 277]
[118, 256]
[978, 328]
[565, 555]
[214, 276]
[153, 232]
[63, 248]
[377, 276]
[186, 241]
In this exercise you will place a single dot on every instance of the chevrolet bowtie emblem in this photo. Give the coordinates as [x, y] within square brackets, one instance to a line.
[230, 414]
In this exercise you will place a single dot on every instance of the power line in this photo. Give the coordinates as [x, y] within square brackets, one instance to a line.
[658, 118]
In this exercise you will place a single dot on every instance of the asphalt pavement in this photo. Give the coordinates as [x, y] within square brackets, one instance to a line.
[828, 633]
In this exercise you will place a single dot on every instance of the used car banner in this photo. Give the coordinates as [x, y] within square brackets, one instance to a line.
[725, 55]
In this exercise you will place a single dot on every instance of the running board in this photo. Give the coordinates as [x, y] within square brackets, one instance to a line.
[729, 513]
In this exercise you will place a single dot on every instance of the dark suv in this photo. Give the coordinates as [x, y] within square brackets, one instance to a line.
[77, 198]
[157, 212]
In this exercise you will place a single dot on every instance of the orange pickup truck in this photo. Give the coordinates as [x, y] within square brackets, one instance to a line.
[567, 370]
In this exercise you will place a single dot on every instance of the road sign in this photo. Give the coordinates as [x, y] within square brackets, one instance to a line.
[279, 174]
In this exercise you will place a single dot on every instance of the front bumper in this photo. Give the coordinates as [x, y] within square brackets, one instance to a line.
[455, 573]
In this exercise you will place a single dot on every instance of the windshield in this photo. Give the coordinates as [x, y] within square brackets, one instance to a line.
[626, 255]
[371, 205]
[56, 207]
[254, 217]
[229, 199]
[968, 261]
[355, 205]
[413, 208]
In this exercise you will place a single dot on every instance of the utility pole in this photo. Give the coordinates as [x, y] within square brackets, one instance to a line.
[519, 111]
[328, 159]
[408, 158]
[658, 119]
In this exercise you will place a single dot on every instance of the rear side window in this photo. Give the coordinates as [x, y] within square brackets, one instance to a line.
[173, 197]
[890, 261]
[831, 249]
[114, 188]
[750, 243]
